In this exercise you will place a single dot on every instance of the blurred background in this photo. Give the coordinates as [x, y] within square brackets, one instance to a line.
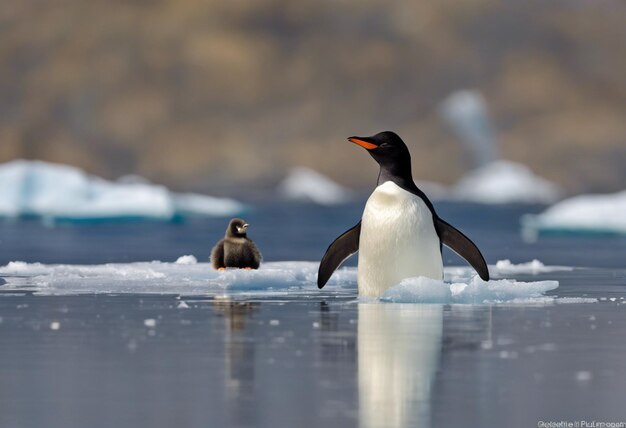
[226, 97]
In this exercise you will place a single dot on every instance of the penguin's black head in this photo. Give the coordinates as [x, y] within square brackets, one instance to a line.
[387, 148]
[237, 227]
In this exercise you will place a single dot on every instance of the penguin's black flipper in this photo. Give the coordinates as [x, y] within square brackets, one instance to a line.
[341, 248]
[463, 246]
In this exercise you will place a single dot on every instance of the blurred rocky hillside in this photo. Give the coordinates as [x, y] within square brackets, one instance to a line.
[197, 94]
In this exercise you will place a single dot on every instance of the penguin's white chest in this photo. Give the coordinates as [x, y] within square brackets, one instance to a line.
[398, 240]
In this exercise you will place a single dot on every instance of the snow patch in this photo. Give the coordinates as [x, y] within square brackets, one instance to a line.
[54, 191]
[307, 185]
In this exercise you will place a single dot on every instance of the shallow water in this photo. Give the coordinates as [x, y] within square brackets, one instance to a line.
[309, 358]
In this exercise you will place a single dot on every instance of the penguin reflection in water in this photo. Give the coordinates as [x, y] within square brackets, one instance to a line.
[236, 250]
[400, 235]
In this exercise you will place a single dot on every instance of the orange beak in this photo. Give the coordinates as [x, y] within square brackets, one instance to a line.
[364, 144]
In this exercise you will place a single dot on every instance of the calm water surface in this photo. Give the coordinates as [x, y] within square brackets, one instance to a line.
[327, 360]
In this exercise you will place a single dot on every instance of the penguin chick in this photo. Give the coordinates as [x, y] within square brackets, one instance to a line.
[236, 250]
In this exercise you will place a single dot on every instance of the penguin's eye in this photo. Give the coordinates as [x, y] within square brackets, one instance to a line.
[384, 145]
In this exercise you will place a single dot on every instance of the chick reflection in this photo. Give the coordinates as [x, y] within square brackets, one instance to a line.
[236, 313]
[398, 348]
[240, 373]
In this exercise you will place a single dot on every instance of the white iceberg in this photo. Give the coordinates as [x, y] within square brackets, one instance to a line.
[492, 181]
[306, 185]
[273, 279]
[503, 182]
[53, 191]
[582, 214]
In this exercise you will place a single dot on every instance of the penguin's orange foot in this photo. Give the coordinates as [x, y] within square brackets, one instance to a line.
[221, 268]
[248, 268]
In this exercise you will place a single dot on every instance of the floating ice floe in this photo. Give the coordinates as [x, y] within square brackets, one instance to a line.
[581, 214]
[503, 182]
[505, 267]
[306, 185]
[165, 278]
[53, 191]
[273, 279]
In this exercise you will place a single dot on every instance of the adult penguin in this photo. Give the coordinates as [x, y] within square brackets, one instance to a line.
[400, 235]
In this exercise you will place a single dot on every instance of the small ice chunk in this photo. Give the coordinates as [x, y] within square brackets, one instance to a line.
[186, 260]
[426, 290]
[150, 322]
[274, 322]
[418, 290]
[532, 267]
[565, 300]
[316, 325]
[55, 325]
[583, 376]
[183, 305]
